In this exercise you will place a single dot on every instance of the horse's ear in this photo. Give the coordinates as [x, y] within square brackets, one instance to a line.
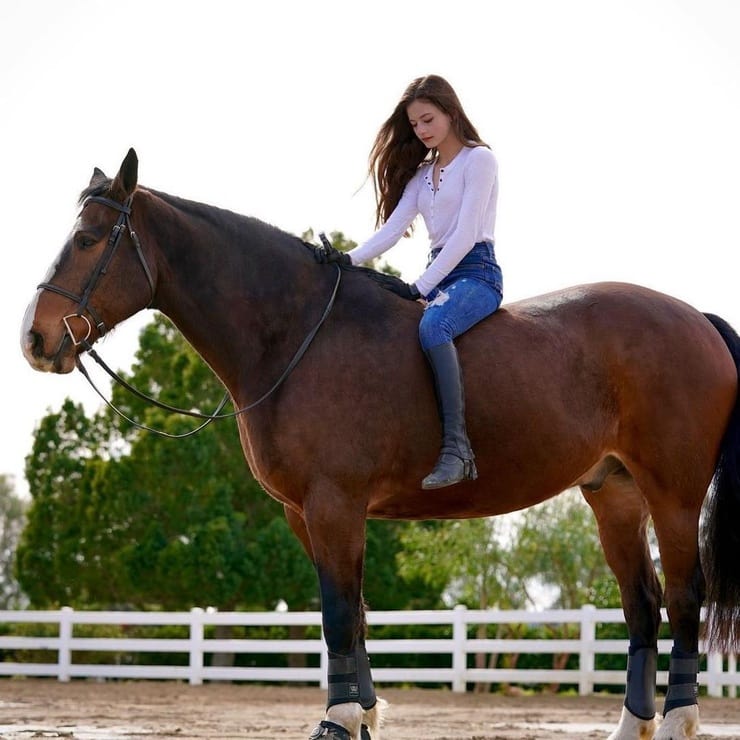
[98, 177]
[124, 183]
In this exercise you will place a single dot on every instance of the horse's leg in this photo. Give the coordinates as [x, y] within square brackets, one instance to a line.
[622, 517]
[677, 529]
[332, 529]
[298, 525]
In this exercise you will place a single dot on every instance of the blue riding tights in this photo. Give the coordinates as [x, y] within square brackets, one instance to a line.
[472, 291]
[453, 309]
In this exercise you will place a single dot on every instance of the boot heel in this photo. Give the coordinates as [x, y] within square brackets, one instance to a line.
[471, 472]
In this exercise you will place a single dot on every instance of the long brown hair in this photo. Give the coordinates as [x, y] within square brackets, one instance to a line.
[397, 152]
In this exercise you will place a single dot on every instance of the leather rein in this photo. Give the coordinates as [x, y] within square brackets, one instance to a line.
[123, 223]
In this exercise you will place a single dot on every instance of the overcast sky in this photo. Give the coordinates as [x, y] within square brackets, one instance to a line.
[615, 125]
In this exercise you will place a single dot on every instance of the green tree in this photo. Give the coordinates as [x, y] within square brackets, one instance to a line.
[514, 562]
[469, 560]
[472, 562]
[138, 519]
[12, 518]
[384, 587]
[558, 545]
[51, 563]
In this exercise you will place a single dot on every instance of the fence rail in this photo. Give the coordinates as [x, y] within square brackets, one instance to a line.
[720, 678]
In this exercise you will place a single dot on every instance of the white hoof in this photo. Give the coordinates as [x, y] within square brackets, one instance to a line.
[634, 728]
[681, 723]
[352, 717]
[347, 715]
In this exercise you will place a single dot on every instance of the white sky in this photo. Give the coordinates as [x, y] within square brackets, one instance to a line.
[615, 125]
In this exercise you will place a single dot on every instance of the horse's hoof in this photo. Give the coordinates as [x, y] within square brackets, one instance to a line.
[329, 729]
[681, 723]
[634, 728]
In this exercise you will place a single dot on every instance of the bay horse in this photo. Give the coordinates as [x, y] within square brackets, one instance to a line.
[628, 393]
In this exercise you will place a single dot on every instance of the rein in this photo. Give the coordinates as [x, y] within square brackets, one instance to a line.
[83, 305]
[197, 414]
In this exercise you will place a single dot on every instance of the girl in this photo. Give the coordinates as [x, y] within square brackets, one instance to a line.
[428, 158]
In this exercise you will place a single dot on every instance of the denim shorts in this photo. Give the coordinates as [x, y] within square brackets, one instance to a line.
[472, 291]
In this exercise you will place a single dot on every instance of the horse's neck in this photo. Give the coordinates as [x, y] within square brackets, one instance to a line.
[235, 296]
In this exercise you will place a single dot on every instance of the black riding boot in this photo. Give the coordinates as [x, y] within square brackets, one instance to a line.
[455, 461]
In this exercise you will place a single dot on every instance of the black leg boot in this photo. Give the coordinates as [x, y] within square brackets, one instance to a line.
[455, 461]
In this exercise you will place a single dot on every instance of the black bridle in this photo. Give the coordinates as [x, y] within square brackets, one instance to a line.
[122, 224]
[83, 301]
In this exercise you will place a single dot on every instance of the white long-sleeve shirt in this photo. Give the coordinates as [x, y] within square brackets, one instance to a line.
[460, 213]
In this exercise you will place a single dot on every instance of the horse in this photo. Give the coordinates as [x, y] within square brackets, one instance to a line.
[630, 394]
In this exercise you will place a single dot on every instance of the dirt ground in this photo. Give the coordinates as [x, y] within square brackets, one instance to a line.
[89, 710]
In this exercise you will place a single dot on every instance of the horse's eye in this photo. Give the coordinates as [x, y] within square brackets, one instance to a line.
[85, 241]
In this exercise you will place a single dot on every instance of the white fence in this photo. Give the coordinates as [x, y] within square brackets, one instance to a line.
[720, 677]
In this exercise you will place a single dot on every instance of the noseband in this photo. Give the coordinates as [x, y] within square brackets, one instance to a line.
[122, 224]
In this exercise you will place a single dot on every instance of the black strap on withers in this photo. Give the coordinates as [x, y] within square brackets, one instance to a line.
[683, 688]
[350, 679]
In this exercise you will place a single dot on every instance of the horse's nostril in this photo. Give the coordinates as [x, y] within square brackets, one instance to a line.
[36, 343]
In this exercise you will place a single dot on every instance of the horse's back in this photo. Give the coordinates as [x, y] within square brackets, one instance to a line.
[620, 320]
[560, 380]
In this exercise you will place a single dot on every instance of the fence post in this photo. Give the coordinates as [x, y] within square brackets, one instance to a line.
[731, 671]
[196, 646]
[64, 659]
[587, 661]
[459, 655]
[324, 663]
[714, 674]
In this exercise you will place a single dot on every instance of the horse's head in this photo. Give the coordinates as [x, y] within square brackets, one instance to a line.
[100, 277]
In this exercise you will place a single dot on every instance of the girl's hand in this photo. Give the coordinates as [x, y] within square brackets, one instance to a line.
[325, 256]
[409, 291]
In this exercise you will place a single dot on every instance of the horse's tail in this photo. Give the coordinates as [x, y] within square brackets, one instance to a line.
[721, 547]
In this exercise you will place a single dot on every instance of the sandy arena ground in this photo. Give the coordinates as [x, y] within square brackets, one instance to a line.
[87, 710]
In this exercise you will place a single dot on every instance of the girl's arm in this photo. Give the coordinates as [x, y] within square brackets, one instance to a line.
[393, 229]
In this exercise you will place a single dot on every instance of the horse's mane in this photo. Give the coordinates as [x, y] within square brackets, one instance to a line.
[100, 187]
[383, 279]
[215, 215]
[231, 220]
